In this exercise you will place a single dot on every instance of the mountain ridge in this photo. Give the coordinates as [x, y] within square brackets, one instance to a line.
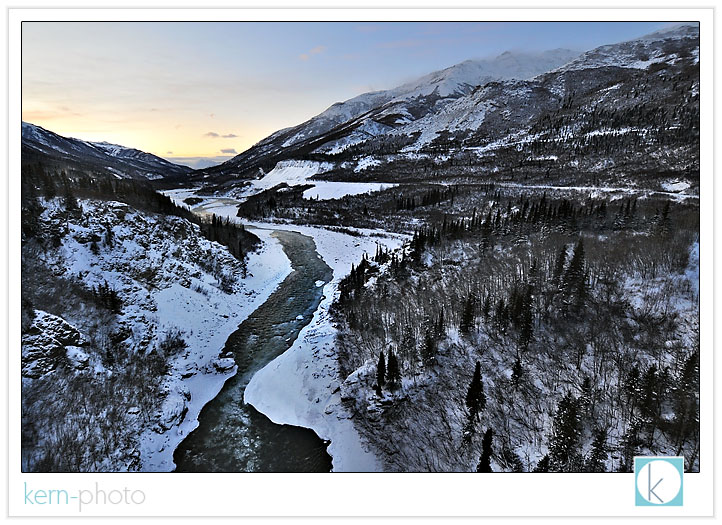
[120, 161]
[486, 117]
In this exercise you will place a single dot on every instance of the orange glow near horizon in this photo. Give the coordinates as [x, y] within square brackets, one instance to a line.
[148, 133]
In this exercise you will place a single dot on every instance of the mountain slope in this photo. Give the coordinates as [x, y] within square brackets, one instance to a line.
[119, 161]
[577, 120]
[377, 113]
[619, 114]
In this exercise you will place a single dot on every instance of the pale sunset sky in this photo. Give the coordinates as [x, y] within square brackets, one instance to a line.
[198, 93]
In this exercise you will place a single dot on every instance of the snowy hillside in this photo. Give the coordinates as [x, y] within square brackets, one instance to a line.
[370, 113]
[661, 46]
[490, 114]
[137, 303]
[452, 82]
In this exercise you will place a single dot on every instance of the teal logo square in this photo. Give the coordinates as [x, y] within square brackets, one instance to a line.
[658, 481]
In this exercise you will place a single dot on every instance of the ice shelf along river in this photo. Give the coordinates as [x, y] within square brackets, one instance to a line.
[234, 437]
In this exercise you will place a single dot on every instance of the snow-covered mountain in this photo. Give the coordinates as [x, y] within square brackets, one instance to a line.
[480, 106]
[664, 45]
[554, 112]
[119, 161]
[377, 113]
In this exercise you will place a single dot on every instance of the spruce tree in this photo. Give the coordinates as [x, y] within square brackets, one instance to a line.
[69, 200]
[561, 260]
[475, 397]
[467, 317]
[686, 403]
[650, 401]
[440, 325]
[574, 279]
[632, 387]
[428, 350]
[486, 451]
[566, 435]
[598, 455]
[516, 372]
[381, 370]
[543, 465]
[393, 373]
[526, 319]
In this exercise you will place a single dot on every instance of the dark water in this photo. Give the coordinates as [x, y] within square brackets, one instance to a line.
[233, 436]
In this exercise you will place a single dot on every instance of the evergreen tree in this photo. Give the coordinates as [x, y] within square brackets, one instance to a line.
[632, 387]
[585, 399]
[428, 350]
[48, 186]
[574, 279]
[561, 260]
[543, 465]
[467, 317]
[649, 405]
[109, 236]
[486, 451]
[686, 402]
[69, 200]
[564, 443]
[630, 447]
[440, 326]
[598, 455]
[475, 397]
[526, 319]
[393, 373]
[664, 220]
[381, 370]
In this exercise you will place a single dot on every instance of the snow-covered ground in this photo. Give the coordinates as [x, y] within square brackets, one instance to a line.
[297, 172]
[327, 190]
[293, 173]
[596, 191]
[301, 387]
[675, 185]
[267, 268]
[161, 268]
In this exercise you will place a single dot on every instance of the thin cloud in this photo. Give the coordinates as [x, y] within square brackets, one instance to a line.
[169, 153]
[229, 150]
[214, 135]
[314, 51]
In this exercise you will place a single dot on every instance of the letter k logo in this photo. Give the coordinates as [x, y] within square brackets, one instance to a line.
[658, 481]
[651, 488]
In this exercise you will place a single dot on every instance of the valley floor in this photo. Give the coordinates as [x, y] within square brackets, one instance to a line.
[301, 387]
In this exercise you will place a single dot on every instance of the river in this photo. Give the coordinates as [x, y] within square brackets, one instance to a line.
[234, 437]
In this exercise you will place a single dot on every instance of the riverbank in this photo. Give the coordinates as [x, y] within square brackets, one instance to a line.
[301, 387]
[232, 436]
[194, 385]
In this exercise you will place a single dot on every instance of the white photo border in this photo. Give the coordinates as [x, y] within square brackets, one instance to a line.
[453, 494]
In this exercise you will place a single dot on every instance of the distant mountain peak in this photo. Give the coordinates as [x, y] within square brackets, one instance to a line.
[113, 158]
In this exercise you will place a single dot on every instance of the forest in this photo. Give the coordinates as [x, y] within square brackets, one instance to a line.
[534, 334]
